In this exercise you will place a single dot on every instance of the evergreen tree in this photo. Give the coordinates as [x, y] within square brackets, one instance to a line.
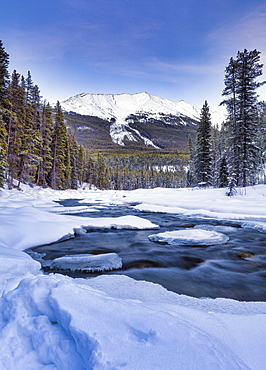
[46, 131]
[261, 138]
[30, 140]
[241, 98]
[81, 158]
[73, 156]
[203, 158]
[215, 154]
[190, 175]
[4, 76]
[15, 118]
[3, 151]
[223, 174]
[101, 173]
[60, 173]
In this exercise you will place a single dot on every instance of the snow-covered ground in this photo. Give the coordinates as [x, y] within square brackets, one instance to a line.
[114, 322]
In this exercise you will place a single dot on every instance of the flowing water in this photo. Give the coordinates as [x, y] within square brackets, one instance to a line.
[236, 269]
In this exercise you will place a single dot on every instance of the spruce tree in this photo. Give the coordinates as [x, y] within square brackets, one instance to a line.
[60, 173]
[190, 175]
[261, 137]
[223, 174]
[15, 118]
[81, 158]
[27, 130]
[101, 173]
[203, 158]
[4, 77]
[3, 151]
[73, 156]
[241, 98]
[46, 131]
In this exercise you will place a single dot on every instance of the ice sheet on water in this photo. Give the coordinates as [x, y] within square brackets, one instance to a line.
[88, 262]
[218, 228]
[65, 210]
[124, 222]
[190, 237]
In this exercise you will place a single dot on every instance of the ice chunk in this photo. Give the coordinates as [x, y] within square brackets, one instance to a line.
[88, 262]
[190, 237]
[124, 222]
[219, 228]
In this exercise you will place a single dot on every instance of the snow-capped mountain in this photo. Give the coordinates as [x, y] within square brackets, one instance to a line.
[128, 115]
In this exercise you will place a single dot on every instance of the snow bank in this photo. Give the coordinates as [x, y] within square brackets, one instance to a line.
[114, 322]
[248, 203]
[124, 222]
[190, 237]
[25, 227]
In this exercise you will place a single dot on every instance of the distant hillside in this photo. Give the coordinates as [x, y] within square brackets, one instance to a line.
[132, 122]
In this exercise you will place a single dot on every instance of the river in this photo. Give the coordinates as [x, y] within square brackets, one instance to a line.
[236, 269]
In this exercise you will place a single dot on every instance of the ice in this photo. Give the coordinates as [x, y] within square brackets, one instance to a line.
[86, 262]
[218, 228]
[124, 222]
[190, 237]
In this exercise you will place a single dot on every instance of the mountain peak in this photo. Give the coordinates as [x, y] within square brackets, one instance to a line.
[121, 109]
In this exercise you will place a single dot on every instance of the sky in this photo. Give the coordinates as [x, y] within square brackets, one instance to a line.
[175, 49]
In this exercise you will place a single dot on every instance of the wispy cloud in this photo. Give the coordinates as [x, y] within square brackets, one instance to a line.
[186, 68]
[248, 32]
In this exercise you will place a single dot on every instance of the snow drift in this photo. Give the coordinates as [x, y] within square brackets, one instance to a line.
[114, 322]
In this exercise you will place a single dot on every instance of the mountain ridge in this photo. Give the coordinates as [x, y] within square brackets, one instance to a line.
[141, 118]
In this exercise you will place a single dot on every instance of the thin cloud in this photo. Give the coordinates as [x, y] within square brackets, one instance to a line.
[249, 32]
[187, 68]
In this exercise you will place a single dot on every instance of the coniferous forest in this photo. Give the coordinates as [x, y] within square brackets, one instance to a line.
[38, 148]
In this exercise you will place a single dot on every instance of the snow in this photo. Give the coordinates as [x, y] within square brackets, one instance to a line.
[85, 262]
[112, 321]
[219, 228]
[121, 106]
[190, 237]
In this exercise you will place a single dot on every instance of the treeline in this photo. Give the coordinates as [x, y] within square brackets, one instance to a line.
[146, 170]
[234, 155]
[35, 145]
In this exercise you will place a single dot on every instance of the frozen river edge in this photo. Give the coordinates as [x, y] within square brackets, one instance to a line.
[40, 312]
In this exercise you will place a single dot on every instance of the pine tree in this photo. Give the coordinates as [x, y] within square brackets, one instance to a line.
[60, 173]
[241, 98]
[15, 118]
[27, 130]
[46, 131]
[223, 174]
[190, 175]
[261, 138]
[101, 173]
[73, 151]
[4, 77]
[3, 151]
[203, 158]
[81, 157]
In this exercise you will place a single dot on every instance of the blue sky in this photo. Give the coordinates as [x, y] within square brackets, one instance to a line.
[176, 49]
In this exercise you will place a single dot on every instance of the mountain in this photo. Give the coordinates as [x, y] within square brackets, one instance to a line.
[136, 121]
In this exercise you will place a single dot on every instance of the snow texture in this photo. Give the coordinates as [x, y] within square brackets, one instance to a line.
[86, 262]
[190, 237]
[119, 107]
[55, 322]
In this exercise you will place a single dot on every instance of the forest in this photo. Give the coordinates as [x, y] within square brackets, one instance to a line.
[38, 147]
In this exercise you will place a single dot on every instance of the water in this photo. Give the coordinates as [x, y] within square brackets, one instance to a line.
[234, 270]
